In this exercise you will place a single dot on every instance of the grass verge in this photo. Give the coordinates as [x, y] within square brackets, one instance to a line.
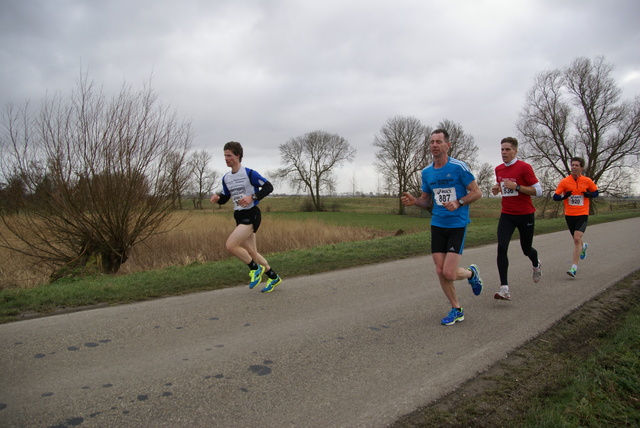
[582, 372]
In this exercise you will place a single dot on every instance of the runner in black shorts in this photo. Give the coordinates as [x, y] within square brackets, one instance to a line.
[246, 188]
[576, 192]
[449, 186]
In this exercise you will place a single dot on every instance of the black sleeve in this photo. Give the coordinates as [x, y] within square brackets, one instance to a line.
[223, 198]
[265, 190]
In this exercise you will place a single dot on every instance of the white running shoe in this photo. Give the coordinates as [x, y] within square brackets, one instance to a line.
[503, 293]
[537, 272]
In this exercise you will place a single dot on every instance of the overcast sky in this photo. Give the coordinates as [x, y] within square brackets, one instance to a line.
[264, 71]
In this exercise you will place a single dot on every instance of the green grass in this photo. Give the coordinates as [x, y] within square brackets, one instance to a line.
[386, 222]
[601, 391]
[377, 205]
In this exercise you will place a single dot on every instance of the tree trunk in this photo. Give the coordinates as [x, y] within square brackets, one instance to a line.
[96, 262]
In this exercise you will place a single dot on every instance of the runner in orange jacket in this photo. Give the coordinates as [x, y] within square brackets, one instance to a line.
[576, 191]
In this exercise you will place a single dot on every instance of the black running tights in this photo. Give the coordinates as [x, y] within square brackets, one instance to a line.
[506, 226]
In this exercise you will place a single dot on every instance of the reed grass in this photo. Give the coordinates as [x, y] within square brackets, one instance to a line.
[202, 236]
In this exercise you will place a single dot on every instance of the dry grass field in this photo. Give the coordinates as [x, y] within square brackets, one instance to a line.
[199, 238]
[202, 236]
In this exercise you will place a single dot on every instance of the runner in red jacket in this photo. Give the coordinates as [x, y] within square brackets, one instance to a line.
[517, 182]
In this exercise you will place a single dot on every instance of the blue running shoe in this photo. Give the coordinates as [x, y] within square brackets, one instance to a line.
[583, 254]
[475, 281]
[271, 284]
[454, 316]
[256, 276]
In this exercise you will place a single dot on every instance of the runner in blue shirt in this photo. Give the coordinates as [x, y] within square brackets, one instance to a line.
[449, 187]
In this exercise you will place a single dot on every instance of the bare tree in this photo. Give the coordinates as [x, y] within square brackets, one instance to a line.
[463, 146]
[310, 160]
[12, 195]
[178, 172]
[578, 112]
[353, 184]
[402, 154]
[96, 176]
[204, 178]
[486, 178]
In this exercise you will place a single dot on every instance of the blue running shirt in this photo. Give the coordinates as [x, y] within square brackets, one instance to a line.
[448, 183]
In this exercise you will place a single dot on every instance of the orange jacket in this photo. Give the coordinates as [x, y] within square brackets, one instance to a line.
[577, 203]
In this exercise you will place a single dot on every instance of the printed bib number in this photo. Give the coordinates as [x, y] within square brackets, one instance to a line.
[236, 198]
[443, 195]
[508, 192]
[576, 200]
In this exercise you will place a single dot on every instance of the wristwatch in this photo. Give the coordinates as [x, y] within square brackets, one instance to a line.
[518, 188]
[461, 202]
[254, 197]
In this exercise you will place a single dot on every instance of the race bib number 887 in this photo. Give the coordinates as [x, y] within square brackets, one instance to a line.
[444, 194]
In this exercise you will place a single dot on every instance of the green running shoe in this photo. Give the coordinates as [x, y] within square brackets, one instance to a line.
[256, 276]
[271, 284]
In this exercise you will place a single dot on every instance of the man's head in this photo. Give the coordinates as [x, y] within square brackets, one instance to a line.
[439, 143]
[508, 149]
[577, 166]
[235, 148]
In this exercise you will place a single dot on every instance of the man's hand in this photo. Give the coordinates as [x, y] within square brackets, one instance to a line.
[246, 201]
[508, 184]
[408, 199]
[451, 205]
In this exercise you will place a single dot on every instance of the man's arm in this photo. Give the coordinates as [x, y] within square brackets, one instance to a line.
[425, 201]
[265, 190]
[533, 190]
[474, 194]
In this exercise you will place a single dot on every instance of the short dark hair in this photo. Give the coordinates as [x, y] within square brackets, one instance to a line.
[510, 140]
[577, 159]
[443, 132]
[235, 148]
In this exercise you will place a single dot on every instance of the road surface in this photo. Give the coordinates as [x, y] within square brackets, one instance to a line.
[351, 348]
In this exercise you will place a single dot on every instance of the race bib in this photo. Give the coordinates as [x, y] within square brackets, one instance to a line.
[236, 198]
[576, 200]
[508, 192]
[444, 194]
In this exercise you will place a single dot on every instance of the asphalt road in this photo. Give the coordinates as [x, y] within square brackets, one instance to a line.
[352, 348]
